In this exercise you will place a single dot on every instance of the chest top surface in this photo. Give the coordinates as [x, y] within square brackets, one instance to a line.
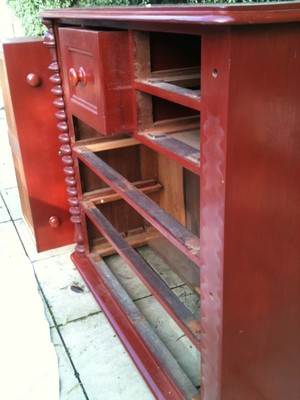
[185, 14]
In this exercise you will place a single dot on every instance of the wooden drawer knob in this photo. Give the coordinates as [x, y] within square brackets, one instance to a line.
[33, 80]
[77, 77]
[54, 222]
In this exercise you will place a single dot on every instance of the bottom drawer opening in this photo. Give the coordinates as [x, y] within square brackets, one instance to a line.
[163, 299]
[123, 220]
[171, 349]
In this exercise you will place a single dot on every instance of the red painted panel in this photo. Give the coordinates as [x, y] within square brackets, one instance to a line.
[214, 91]
[261, 320]
[97, 79]
[37, 142]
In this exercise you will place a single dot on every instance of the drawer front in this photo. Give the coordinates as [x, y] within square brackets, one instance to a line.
[97, 79]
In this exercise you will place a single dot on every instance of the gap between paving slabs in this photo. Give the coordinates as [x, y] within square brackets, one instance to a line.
[56, 326]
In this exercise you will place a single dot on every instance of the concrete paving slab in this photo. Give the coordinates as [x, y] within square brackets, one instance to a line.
[29, 368]
[70, 388]
[187, 356]
[4, 215]
[3, 124]
[189, 298]
[105, 368]
[64, 289]
[47, 312]
[12, 201]
[171, 335]
[9, 240]
[7, 172]
[161, 268]
[129, 279]
[30, 247]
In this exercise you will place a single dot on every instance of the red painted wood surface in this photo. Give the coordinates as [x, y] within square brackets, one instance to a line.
[261, 301]
[35, 143]
[96, 78]
[183, 17]
[214, 92]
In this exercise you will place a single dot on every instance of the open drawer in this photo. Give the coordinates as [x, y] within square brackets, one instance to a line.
[97, 78]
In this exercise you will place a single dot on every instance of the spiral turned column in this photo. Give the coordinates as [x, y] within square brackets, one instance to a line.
[65, 149]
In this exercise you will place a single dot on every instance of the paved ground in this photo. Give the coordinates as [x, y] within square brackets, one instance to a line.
[92, 362]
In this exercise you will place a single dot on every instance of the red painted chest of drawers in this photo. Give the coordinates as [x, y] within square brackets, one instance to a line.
[183, 135]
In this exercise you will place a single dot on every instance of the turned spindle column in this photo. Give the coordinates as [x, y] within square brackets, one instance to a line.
[65, 149]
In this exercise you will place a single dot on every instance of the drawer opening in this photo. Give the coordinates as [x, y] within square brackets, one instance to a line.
[186, 95]
[167, 202]
[82, 133]
[164, 111]
[173, 51]
[164, 351]
[147, 266]
[153, 110]
[137, 232]
[167, 61]
[161, 306]
[170, 129]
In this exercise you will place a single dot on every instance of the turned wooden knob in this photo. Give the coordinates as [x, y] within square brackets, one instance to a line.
[77, 77]
[54, 221]
[33, 80]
